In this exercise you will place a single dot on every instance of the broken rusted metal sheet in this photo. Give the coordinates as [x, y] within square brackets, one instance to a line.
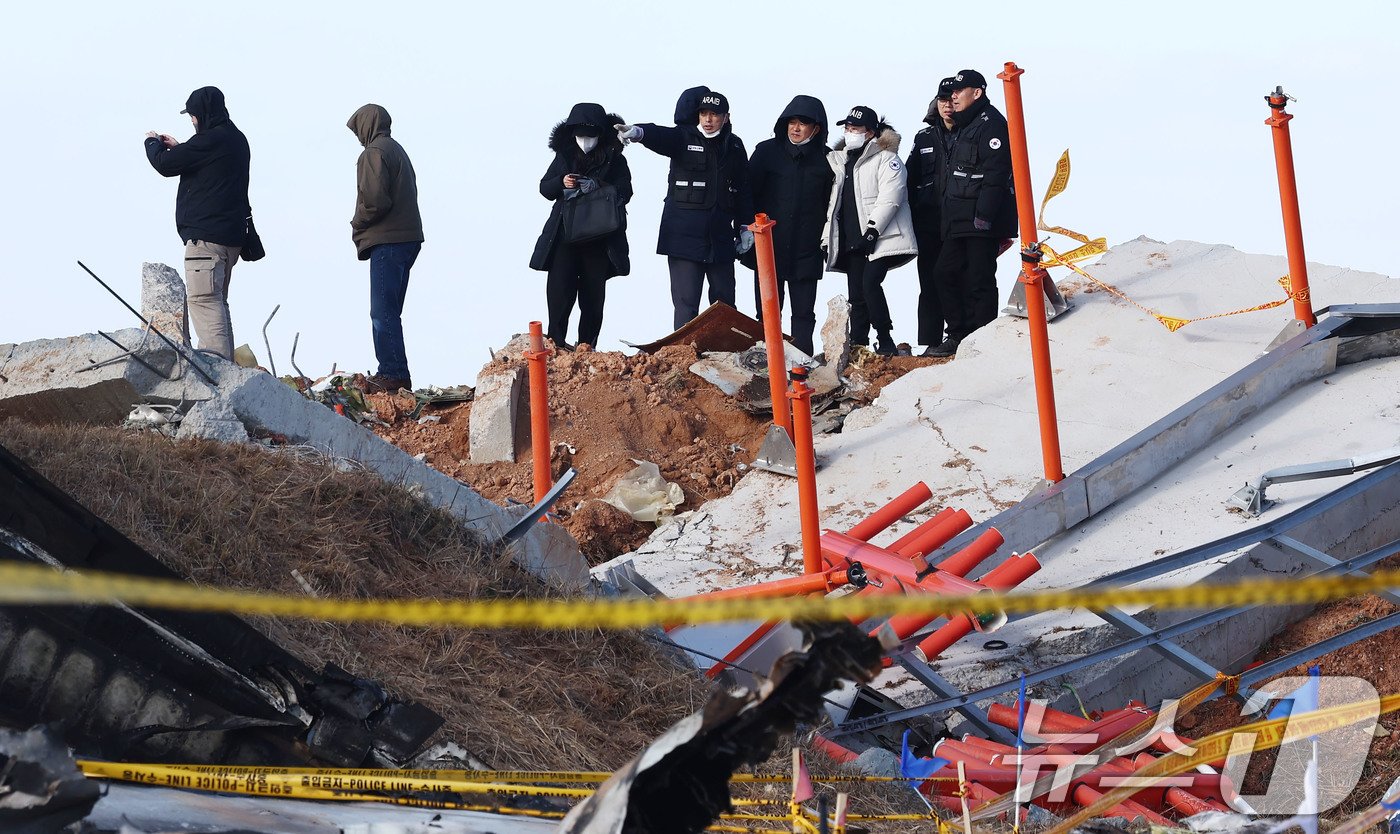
[719, 327]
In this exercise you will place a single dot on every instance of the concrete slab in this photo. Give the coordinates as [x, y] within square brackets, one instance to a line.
[265, 405]
[969, 430]
[495, 410]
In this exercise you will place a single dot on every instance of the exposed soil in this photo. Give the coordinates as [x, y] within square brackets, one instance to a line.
[608, 410]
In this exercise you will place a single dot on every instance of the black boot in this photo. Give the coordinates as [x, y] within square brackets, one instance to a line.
[885, 346]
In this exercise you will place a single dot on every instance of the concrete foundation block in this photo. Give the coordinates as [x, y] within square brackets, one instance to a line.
[494, 412]
[163, 301]
[836, 339]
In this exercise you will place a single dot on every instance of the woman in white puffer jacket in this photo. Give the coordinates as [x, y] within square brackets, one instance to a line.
[868, 227]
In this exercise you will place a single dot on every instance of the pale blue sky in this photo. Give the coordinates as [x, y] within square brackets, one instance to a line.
[1161, 106]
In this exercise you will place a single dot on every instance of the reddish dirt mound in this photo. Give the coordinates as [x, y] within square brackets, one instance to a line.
[607, 409]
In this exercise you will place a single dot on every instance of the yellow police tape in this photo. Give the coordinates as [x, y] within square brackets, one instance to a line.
[40, 585]
[1097, 246]
[1216, 747]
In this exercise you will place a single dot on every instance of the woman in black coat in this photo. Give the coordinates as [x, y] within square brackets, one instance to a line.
[587, 156]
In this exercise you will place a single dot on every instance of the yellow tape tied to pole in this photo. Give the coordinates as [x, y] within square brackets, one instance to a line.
[1093, 248]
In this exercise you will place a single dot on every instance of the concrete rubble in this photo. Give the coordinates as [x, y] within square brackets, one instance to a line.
[89, 379]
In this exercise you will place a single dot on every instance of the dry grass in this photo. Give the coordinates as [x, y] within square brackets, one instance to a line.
[245, 517]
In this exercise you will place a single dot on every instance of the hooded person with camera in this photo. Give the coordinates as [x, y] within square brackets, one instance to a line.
[211, 209]
[868, 227]
[587, 179]
[707, 198]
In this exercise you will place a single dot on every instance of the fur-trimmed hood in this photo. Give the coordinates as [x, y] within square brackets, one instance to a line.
[887, 140]
[561, 138]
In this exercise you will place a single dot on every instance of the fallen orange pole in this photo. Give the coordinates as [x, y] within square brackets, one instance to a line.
[812, 583]
[882, 518]
[762, 229]
[936, 535]
[1032, 274]
[539, 411]
[801, 397]
[1288, 197]
[1003, 577]
[905, 625]
[942, 515]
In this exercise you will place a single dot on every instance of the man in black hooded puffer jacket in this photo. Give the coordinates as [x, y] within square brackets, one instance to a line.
[791, 180]
[211, 209]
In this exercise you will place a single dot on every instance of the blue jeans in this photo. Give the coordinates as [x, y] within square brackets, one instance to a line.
[389, 264]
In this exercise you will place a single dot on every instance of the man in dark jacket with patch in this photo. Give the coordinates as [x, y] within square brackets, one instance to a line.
[388, 232]
[926, 165]
[707, 198]
[791, 180]
[211, 209]
[978, 208]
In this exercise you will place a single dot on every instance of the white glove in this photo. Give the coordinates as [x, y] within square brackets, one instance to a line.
[628, 133]
[745, 241]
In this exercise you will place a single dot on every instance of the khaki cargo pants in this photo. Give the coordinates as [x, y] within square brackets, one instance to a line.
[208, 269]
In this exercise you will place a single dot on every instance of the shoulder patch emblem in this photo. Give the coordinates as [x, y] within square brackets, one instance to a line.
[894, 164]
[994, 142]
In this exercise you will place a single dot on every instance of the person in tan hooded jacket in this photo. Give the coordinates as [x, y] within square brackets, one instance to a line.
[388, 232]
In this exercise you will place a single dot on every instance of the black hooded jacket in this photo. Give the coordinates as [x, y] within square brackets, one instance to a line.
[211, 203]
[977, 180]
[791, 184]
[605, 163]
[926, 166]
[707, 195]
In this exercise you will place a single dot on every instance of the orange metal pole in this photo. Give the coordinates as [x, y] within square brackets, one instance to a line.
[801, 397]
[1032, 275]
[762, 229]
[936, 535]
[1288, 197]
[958, 564]
[941, 516]
[882, 518]
[1003, 577]
[812, 583]
[539, 411]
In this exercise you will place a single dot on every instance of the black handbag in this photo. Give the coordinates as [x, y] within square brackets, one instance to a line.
[593, 215]
[252, 243]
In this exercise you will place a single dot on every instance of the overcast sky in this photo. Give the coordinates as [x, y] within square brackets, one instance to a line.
[1161, 106]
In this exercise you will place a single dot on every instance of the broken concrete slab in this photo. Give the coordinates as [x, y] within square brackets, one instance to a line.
[163, 301]
[89, 379]
[836, 346]
[264, 405]
[495, 409]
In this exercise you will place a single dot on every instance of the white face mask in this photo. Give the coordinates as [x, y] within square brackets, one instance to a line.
[586, 143]
[803, 142]
[707, 134]
[855, 141]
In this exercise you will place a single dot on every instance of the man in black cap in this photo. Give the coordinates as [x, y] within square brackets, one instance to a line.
[978, 211]
[211, 209]
[926, 166]
[707, 198]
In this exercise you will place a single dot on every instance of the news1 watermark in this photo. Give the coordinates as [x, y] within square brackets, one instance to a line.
[1313, 772]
